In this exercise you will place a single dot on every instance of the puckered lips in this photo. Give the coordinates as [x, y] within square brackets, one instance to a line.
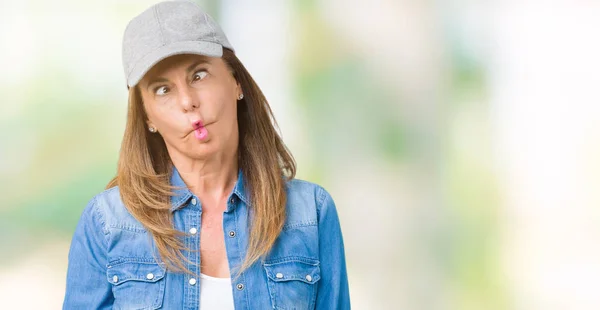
[200, 131]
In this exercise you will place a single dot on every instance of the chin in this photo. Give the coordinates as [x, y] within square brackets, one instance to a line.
[203, 150]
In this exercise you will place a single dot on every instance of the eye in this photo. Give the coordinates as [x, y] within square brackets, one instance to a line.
[161, 90]
[199, 75]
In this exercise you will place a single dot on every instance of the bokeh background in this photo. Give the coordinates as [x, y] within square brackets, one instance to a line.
[459, 139]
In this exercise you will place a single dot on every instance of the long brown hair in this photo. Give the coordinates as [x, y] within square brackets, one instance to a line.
[144, 169]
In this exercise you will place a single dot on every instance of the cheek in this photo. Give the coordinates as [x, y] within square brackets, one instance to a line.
[165, 117]
[220, 104]
[229, 114]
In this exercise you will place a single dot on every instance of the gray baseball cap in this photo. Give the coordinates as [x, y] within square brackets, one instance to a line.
[166, 29]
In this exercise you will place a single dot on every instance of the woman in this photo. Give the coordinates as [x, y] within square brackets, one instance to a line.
[204, 211]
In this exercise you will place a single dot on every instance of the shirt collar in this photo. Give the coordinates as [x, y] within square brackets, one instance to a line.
[182, 194]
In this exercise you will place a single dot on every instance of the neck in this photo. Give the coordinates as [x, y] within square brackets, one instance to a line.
[210, 179]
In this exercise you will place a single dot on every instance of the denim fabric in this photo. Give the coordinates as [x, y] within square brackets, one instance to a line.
[113, 261]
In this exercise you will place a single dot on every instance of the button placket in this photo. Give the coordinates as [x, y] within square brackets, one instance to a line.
[190, 219]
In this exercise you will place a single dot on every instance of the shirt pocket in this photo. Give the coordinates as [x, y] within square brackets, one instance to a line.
[137, 285]
[292, 283]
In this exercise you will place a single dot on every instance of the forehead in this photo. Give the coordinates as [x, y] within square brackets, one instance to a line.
[175, 62]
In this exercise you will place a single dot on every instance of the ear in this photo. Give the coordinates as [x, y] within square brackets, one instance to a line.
[238, 89]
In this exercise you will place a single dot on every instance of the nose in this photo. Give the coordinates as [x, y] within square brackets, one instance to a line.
[188, 98]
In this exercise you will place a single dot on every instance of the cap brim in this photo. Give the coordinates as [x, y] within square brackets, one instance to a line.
[188, 47]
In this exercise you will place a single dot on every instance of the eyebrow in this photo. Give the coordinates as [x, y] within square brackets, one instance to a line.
[188, 71]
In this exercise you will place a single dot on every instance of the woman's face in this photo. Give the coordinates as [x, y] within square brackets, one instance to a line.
[191, 101]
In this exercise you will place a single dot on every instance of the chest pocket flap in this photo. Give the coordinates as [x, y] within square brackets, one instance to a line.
[292, 282]
[137, 284]
[136, 271]
[293, 270]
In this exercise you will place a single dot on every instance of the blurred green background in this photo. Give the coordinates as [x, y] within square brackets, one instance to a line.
[459, 139]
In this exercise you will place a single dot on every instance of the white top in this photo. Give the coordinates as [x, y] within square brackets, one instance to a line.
[215, 293]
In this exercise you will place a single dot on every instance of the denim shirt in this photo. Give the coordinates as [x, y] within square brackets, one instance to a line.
[113, 261]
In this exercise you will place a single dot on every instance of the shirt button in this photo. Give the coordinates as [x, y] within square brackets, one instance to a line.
[279, 275]
[231, 233]
[232, 200]
[150, 276]
[308, 278]
[192, 281]
[193, 230]
[240, 286]
[194, 201]
[115, 279]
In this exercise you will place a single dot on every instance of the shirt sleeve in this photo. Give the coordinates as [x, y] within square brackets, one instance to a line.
[87, 285]
[333, 291]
